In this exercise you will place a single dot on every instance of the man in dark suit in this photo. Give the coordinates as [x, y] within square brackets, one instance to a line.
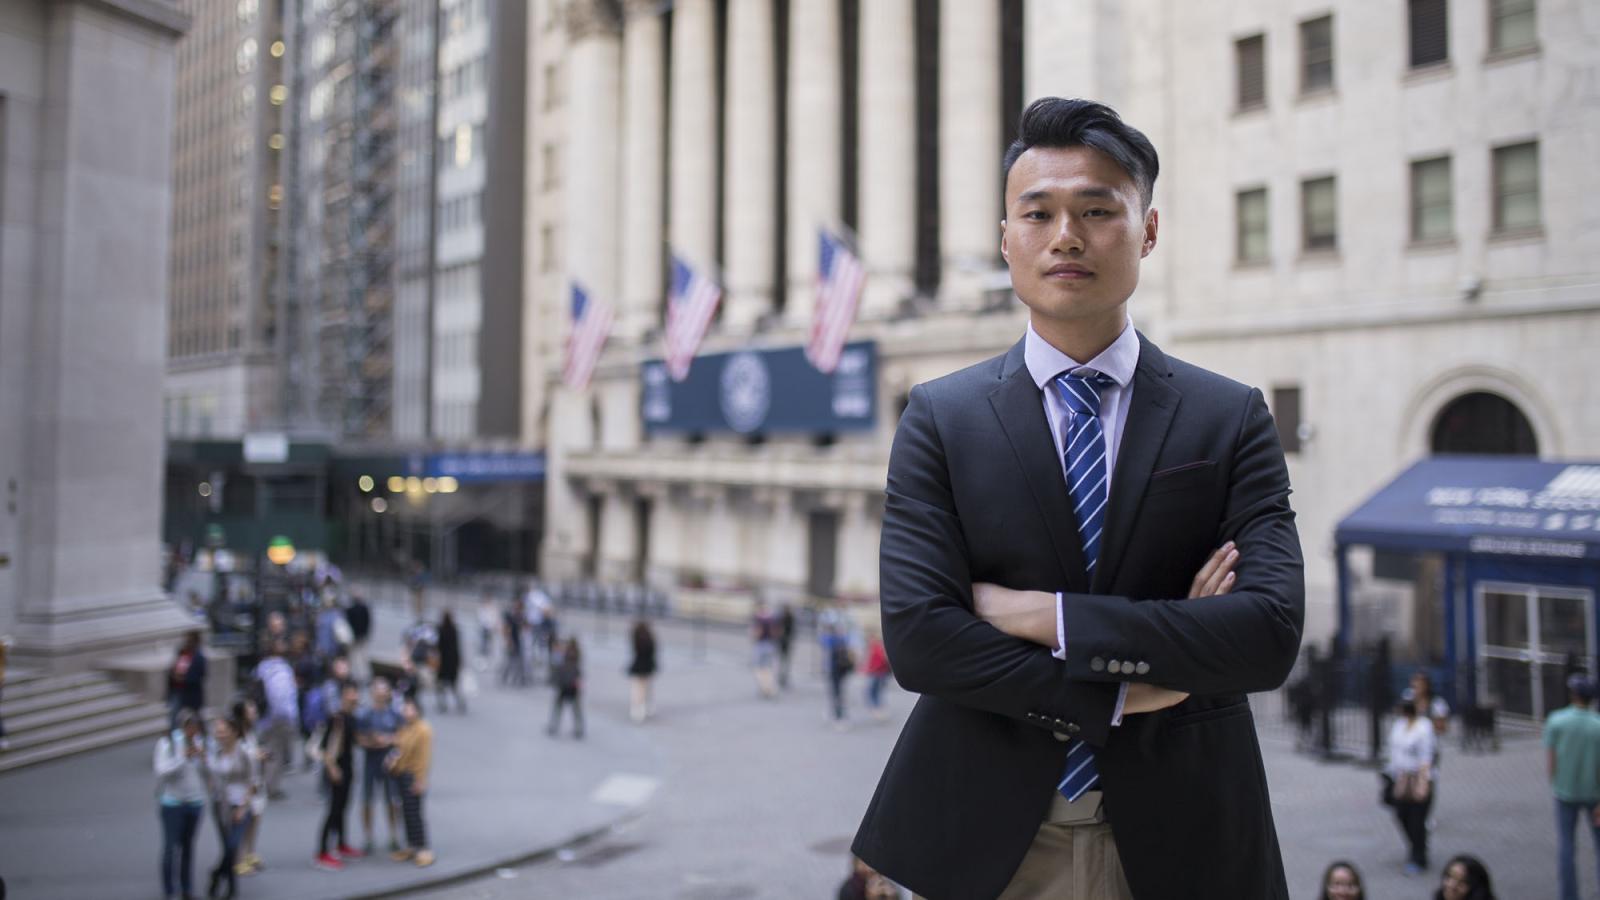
[1088, 560]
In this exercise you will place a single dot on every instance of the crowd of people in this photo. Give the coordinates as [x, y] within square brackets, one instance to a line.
[844, 650]
[313, 695]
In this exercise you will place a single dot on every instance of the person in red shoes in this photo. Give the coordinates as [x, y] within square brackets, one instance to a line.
[338, 758]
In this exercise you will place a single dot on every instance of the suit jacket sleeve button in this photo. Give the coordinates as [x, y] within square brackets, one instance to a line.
[1098, 664]
[1114, 667]
[1143, 668]
[1072, 728]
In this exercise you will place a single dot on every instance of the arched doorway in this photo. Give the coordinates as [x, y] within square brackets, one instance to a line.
[1482, 422]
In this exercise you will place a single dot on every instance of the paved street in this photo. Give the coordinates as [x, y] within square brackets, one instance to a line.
[722, 796]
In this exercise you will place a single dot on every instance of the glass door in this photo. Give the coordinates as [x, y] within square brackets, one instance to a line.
[1528, 636]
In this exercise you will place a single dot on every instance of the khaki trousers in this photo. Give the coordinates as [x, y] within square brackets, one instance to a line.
[1072, 857]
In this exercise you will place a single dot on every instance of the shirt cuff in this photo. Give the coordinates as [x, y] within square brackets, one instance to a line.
[1122, 697]
[1060, 652]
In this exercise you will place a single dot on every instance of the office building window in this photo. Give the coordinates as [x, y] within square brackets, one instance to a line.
[1250, 62]
[1430, 32]
[1319, 214]
[1316, 55]
[1251, 213]
[1432, 211]
[1512, 25]
[1286, 414]
[1516, 187]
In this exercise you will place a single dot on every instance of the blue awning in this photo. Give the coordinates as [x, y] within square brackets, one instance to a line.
[1495, 505]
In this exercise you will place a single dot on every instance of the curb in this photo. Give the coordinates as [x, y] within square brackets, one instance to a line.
[474, 872]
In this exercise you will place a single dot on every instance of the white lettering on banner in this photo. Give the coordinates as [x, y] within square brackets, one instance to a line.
[1449, 496]
[1503, 496]
[1522, 547]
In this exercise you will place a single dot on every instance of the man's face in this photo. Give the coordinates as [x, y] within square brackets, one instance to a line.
[1074, 233]
[381, 695]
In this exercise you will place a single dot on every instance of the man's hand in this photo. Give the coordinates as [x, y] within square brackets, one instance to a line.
[1030, 615]
[1216, 576]
[1146, 698]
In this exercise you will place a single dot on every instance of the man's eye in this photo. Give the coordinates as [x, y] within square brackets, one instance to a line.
[1097, 212]
[1037, 215]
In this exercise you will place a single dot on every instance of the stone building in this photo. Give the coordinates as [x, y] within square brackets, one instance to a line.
[1373, 212]
[86, 128]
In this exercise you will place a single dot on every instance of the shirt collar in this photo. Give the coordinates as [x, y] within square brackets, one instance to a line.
[1116, 362]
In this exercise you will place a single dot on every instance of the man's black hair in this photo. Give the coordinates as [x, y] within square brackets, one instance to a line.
[1059, 122]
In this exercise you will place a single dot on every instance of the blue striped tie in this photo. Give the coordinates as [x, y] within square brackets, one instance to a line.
[1085, 457]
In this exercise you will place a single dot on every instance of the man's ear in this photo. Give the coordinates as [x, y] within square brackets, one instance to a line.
[1003, 254]
[1152, 224]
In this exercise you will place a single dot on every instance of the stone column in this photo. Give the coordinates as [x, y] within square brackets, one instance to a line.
[592, 208]
[643, 168]
[1078, 55]
[888, 154]
[857, 573]
[83, 293]
[751, 156]
[815, 139]
[692, 221]
[970, 206]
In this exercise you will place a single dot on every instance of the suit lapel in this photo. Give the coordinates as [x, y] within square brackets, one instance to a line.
[1154, 403]
[1020, 408]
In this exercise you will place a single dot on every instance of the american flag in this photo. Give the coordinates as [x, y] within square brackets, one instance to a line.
[690, 305]
[591, 323]
[839, 279]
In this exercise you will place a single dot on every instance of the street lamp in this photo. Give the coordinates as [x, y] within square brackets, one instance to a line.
[280, 552]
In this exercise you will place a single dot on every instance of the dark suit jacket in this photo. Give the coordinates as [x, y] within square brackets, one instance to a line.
[976, 493]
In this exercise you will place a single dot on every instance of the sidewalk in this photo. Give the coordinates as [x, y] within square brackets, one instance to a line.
[502, 791]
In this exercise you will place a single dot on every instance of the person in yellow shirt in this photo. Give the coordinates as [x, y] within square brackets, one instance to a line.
[409, 763]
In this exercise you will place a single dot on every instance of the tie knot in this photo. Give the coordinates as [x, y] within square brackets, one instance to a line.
[1081, 388]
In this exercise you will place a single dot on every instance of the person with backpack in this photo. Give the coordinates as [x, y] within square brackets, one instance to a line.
[566, 673]
[278, 698]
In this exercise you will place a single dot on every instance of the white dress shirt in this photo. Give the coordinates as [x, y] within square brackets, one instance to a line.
[1116, 362]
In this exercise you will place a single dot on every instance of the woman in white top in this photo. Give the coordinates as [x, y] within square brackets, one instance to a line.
[233, 785]
[1411, 749]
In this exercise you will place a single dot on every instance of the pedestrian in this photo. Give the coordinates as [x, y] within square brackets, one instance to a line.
[281, 720]
[186, 678]
[181, 791]
[1342, 881]
[1001, 470]
[449, 661]
[247, 715]
[514, 671]
[865, 884]
[840, 662]
[333, 630]
[764, 638]
[1464, 878]
[421, 642]
[785, 644]
[233, 786]
[566, 673]
[417, 581]
[359, 617]
[541, 615]
[641, 670]
[1572, 749]
[1410, 780]
[488, 624]
[877, 670]
[308, 678]
[1419, 690]
[409, 763]
[337, 749]
[376, 724]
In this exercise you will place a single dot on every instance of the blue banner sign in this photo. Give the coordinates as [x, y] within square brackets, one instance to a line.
[763, 392]
[469, 468]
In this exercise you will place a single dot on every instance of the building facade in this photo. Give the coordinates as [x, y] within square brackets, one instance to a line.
[222, 328]
[1370, 211]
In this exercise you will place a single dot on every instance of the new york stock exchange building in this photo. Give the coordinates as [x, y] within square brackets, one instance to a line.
[730, 134]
